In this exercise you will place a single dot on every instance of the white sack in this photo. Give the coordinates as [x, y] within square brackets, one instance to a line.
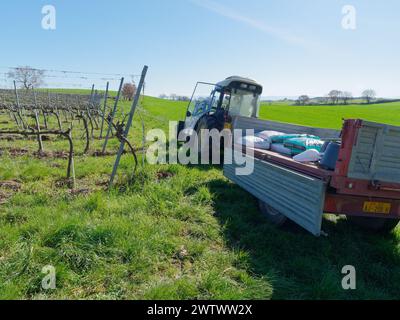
[311, 155]
[267, 134]
[254, 142]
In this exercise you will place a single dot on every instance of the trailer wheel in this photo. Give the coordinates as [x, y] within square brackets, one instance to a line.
[273, 216]
[374, 224]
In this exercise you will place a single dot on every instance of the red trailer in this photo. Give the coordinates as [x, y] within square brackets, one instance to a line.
[365, 185]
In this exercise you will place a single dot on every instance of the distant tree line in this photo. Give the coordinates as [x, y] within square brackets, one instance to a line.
[336, 97]
[174, 97]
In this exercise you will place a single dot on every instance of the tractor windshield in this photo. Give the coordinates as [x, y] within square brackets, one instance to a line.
[244, 103]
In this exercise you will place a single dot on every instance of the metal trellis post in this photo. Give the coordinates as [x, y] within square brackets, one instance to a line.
[128, 124]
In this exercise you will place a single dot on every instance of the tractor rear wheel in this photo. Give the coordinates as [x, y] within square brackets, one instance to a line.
[374, 224]
[273, 216]
[206, 123]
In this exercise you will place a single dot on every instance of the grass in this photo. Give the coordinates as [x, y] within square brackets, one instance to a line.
[175, 232]
[331, 116]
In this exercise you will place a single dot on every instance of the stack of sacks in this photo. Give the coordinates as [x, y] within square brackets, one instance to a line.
[261, 140]
[305, 148]
[294, 144]
[284, 137]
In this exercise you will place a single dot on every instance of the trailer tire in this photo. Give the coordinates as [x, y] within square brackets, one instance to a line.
[273, 216]
[374, 224]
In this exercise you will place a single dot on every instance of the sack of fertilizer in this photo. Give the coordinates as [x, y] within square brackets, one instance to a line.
[281, 149]
[299, 145]
[310, 155]
[284, 137]
[267, 134]
[254, 142]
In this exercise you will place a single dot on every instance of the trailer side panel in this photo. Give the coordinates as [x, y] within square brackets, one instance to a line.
[299, 197]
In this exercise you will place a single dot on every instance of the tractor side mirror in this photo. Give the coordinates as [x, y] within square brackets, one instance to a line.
[188, 114]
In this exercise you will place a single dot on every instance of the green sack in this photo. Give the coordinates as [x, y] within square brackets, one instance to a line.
[284, 137]
[299, 145]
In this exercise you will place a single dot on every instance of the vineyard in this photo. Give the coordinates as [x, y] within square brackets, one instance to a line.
[41, 115]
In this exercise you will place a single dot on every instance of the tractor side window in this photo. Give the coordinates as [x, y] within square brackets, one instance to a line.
[226, 101]
[215, 101]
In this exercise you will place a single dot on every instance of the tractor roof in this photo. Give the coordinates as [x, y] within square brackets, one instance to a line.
[228, 81]
[234, 80]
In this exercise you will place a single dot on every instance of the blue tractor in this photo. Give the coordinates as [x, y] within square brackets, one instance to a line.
[234, 96]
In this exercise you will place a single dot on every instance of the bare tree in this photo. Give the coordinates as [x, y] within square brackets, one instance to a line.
[303, 100]
[173, 96]
[163, 96]
[346, 96]
[334, 96]
[369, 95]
[27, 76]
[128, 91]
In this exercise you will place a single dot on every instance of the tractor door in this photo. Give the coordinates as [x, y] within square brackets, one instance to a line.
[200, 105]
[197, 109]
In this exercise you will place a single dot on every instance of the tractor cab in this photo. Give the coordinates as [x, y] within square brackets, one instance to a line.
[234, 96]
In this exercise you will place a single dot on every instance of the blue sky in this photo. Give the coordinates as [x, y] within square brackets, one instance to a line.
[292, 47]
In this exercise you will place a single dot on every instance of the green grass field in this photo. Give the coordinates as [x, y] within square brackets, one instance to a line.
[175, 232]
[331, 116]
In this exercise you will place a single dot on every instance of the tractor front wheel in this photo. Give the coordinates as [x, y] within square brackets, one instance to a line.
[206, 123]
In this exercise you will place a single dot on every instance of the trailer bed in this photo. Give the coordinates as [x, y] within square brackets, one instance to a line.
[310, 169]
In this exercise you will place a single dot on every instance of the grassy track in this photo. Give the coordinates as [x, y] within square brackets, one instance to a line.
[176, 232]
